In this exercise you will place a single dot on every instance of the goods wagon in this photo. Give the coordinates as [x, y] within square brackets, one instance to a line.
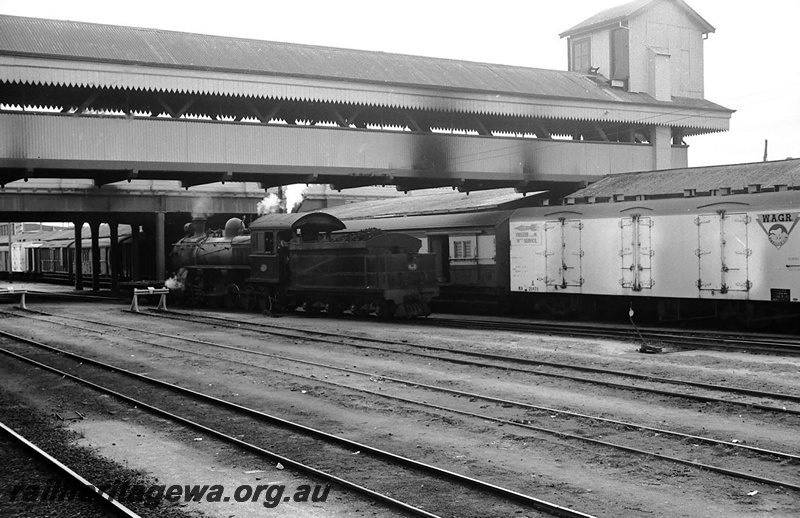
[730, 256]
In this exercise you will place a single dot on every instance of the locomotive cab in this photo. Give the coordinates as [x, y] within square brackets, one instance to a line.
[271, 236]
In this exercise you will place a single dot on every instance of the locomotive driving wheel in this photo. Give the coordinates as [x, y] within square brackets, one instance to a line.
[231, 299]
[335, 308]
[360, 308]
[248, 298]
[386, 309]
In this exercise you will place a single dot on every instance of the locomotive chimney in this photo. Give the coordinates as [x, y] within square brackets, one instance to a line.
[199, 225]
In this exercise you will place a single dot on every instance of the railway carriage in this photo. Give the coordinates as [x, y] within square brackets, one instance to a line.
[729, 256]
[50, 256]
[471, 250]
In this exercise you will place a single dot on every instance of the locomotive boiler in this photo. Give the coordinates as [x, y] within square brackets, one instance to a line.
[286, 261]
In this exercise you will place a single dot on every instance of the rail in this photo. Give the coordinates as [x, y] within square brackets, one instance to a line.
[116, 507]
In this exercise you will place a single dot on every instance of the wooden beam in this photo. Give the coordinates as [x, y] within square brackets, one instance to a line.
[105, 178]
[185, 107]
[167, 107]
[412, 124]
[600, 132]
[12, 176]
[92, 98]
[361, 181]
[206, 178]
[352, 118]
[338, 118]
[414, 184]
[481, 128]
[540, 131]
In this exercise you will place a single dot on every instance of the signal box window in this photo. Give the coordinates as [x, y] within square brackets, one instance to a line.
[581, 55]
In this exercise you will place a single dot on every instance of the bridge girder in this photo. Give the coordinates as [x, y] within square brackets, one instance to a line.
[121, 149]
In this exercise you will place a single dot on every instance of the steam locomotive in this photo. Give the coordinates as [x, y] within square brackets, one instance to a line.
[285, 261]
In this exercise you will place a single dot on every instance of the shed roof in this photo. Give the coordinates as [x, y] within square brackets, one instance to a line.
[702, 180]
[432, 223]
[435, 202]
[624, 12]
[117, 45]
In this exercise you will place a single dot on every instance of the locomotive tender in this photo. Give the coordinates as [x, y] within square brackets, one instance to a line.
[285, 261]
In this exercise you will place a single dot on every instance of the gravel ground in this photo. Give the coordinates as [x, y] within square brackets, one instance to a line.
[30, 487]
[594, 481]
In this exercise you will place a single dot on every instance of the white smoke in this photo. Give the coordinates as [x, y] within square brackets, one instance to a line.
[287, 199]
[294, 194]
[201, 207]
[173, 283]
[271, 203]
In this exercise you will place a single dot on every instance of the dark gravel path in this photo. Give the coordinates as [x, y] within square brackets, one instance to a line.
[29, 487]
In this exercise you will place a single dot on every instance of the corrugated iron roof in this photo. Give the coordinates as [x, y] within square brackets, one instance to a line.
[109, 44]
[614, 15]
[438, 202]
[674, 182]
[467, 220]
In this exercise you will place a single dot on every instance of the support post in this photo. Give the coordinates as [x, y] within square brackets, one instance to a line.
[78, 260]
[94, 226]
[135, 253]
[113, 235]
[9, 262]
[161, 255]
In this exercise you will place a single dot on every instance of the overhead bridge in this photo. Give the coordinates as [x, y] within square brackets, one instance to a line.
[120, 104]
[134, 126]
[109, 150]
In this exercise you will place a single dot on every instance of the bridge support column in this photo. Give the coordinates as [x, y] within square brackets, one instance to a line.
[161, 254]
[94, 226]
[113, 234]
[135, 253]
[77, 266]
[9, 265]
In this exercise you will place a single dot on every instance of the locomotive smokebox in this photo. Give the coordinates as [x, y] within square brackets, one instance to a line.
[199, 226]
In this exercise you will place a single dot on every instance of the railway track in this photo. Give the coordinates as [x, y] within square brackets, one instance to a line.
[667, 337]
[709, 392]
[376, 467]
[72, 479]
[540, 419]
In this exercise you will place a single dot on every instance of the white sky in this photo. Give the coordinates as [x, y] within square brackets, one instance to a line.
[748, 61]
